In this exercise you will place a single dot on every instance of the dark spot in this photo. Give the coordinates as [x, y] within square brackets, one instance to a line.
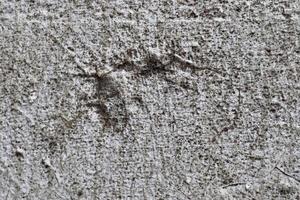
[266, 129]
[238, 9]
[285, 190]
[225, 129]
[138, 99]
[80, 193]
[45, 164]
[193, 15]
[19, 154]
[268, 51]
[52, 145]
[71, 48]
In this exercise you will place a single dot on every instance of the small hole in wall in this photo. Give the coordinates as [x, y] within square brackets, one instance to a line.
[273, 110]
[45, 164]
[19, 154]
[80, 193]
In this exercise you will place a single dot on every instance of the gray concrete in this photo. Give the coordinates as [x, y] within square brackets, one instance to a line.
[157, 99]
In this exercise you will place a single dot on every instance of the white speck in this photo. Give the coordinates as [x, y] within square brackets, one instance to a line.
[94, 117]
[223, 192]
[247, 186]
[33, 96]
[155, 52]
[188, 179]
[47, 162]
[220, 19]
[153, 19]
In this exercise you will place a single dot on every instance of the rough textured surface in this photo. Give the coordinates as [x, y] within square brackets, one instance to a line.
[157, 99]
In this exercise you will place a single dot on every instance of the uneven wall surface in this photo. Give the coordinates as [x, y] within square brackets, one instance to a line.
[157, 99]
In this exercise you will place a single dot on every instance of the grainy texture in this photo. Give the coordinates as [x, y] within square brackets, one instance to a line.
[157, 99]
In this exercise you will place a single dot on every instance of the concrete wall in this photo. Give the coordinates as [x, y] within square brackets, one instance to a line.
[157, 99]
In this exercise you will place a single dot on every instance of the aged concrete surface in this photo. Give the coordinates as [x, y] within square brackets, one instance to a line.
[157, 99]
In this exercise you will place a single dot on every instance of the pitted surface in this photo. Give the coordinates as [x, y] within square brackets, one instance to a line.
[202, 101]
